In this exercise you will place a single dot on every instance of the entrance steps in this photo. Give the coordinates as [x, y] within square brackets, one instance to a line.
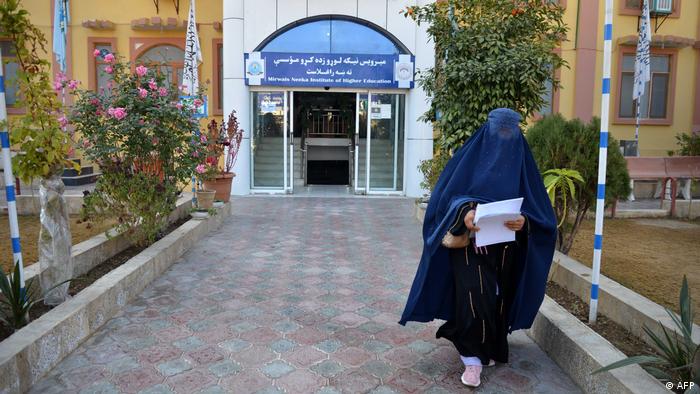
[269, 164]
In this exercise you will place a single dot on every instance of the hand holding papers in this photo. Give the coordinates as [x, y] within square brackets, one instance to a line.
[491, 218]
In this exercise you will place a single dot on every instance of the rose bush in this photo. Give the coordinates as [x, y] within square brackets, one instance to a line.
[140, 136]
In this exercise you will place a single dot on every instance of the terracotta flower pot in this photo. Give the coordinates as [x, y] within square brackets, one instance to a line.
[205, 198]
[222, 185]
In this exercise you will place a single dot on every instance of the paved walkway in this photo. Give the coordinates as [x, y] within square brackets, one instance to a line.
[291, 294]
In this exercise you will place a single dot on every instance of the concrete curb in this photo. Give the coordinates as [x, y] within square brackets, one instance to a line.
[35, 349]
[578, 350]
[622, 305]
[420, 211]
[29, 205]
[92, 252]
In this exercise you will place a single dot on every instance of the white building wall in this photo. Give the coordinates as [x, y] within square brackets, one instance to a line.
[373, 11]
[235, 92]
[289, 11]
[249, 22]
[325, 7]
[419, 134]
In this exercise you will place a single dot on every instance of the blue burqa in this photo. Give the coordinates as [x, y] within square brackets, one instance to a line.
[494, 164]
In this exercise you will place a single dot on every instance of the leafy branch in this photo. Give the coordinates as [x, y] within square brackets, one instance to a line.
[44, 146]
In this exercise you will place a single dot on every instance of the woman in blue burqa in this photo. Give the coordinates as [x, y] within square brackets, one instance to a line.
[484, 293]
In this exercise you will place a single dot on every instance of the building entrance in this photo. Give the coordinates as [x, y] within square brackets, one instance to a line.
[325, 128]
[306, 138]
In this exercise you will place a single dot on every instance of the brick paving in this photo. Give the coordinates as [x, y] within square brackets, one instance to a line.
[296, 295]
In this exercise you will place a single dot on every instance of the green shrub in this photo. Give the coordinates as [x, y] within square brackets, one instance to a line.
[689, 144]
[559, 143]
[432, 168]
[489, 54]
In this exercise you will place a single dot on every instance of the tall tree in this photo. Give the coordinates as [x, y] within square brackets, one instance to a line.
[490, 54]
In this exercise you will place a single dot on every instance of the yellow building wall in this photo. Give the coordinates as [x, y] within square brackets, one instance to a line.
[121, 13]
[567, 76]
[654, 140]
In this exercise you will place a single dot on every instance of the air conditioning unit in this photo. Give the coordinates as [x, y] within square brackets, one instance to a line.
[661, 7]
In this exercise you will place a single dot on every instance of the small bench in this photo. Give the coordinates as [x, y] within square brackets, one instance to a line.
[664, 169]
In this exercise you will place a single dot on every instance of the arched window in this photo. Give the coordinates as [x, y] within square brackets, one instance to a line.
[168, 58]
[333, 34]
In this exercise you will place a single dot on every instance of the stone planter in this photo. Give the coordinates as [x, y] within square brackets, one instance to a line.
[199, 215]
[222, 185]
[205, 198]
[30, 353]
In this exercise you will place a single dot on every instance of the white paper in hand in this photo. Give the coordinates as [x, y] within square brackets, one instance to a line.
[490, 219]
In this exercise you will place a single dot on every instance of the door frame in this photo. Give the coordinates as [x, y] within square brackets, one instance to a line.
[368, 158]
[288, 140]
[285, 167]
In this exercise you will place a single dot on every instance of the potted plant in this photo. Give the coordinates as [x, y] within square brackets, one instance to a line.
[205, 196]
[222, 141]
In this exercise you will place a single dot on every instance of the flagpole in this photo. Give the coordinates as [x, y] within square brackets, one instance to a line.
[10, 185]
[602, 160]
[636, 129]
[192, 57]
[642, 70]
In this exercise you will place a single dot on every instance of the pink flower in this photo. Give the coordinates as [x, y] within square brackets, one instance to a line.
[162, 91]
[201, 169]
[57, 86]
[73, 84]
[152, 84]
[96, 53]
[94, 101]
[203, 138]
[142, 122]
[63, 121]
[86, 144]
[141, 71]
[109, 58]
[143, 92]
[118, 113]
[155, 141]
[109, 69]
[198, 102]
[195, 154]
[178, 105]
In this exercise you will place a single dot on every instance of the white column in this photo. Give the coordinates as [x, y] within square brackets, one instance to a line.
[236, 95]
[419, 134]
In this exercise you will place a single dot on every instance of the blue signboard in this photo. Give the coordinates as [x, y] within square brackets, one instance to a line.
[329, 70]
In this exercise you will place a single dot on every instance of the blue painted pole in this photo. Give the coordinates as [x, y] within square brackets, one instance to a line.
[10, 184]
[602, 160]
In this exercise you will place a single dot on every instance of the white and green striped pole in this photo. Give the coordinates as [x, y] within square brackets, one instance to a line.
[602, 160]
[10, 183]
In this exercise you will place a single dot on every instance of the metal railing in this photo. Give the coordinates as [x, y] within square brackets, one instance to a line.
[328, 123]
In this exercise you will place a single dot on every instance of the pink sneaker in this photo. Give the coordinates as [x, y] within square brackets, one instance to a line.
[472, 375]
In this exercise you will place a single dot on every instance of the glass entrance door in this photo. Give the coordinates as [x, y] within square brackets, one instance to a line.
[269, 141]
[379, 143]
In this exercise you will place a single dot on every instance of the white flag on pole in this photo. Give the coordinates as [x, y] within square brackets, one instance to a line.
[642, 71]
[193, 55]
